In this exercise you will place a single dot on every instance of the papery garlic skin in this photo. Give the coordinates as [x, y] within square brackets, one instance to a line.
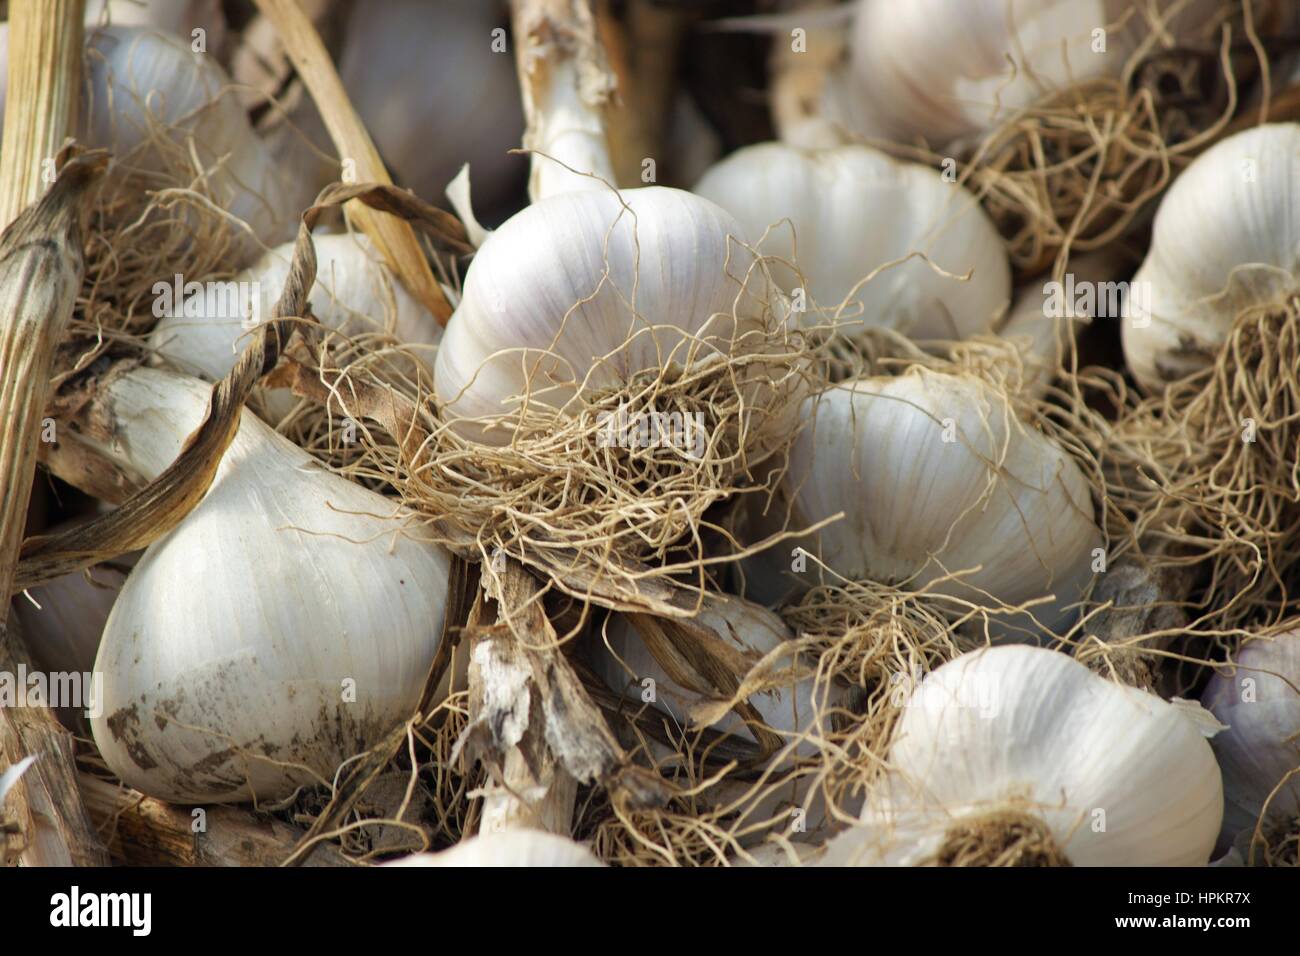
[139, 78]
[853, 209]
[285, 625]
[791, 708]
[625, 662]
[576, 277]
[935, 475]
[508, 848]
[426, 81]
[354, 294]
[1224, 241]
[1119, 776]
[1259, 700]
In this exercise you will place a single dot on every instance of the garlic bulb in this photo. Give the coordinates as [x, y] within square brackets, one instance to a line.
[511, 848]
[176, 19]
[1020, 748]
[1259, 700]
[354, 294]
[140, 78]
[435, 92]
[941, 70]
[626, 664]
[584, 290]
[853, 209]
[936, 476]
[285, 625]
[1223, 242]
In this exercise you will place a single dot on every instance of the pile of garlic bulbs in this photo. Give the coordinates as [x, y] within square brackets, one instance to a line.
[767, 515]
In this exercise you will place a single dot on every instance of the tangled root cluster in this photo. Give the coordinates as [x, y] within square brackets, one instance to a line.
[618, 488]
[879, 642]
[999, 838]
[1077, 171]
[1206, 476]
[158, 213]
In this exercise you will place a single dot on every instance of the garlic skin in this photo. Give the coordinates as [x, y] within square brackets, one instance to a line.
[854, 209]
[752, 631]
[1259, 700]
[1224, 241]
[433, 93]
[789, 709]
[943, 70]
[285, 625]
[553, 290]
[1119, 776]
[354, 294]
[508, 848]
[140, 77]
[935, 475]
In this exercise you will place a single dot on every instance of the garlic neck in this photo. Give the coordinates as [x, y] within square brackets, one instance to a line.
[565, 88]
[153, 412]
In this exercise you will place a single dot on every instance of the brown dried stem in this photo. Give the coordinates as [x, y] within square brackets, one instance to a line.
[53, 828]
[142, 831]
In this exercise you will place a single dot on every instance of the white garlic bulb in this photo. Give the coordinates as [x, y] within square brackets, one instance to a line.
[1008, 741]
[584, 290]
[942, 70]
[625, 663]
[509, 848]
[935, 476]
[176, 18]
[140, 78]
[1224, 241]
[285, 625]
[204, 332]
[853, 209]
[1259, 701]
[436, 89]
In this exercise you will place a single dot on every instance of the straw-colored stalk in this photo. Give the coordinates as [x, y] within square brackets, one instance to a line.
[567, 89]
[643, 51]
[41, 266]
[394, 238]
[142, 831]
